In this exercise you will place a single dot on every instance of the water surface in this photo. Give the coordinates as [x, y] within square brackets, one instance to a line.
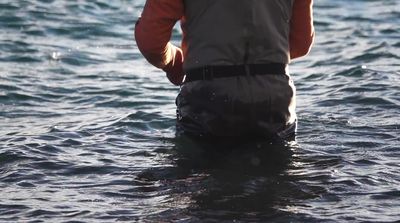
[87, 125]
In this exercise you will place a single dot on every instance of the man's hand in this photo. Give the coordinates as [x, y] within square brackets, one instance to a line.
[174, 69]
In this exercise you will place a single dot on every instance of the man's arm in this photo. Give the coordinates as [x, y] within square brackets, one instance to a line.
[301, 28]
[153, 32]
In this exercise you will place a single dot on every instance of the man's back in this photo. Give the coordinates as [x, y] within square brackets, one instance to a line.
[232, 32]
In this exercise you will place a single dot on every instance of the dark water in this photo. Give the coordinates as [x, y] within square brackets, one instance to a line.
[87, 126]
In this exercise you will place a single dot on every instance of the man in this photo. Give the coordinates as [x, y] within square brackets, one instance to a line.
[233, 62]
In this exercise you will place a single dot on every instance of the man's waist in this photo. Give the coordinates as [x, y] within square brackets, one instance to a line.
[220, 71]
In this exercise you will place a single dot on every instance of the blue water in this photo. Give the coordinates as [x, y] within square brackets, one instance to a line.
[87, 125]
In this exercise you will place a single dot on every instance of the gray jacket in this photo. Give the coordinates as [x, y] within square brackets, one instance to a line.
[232, 32]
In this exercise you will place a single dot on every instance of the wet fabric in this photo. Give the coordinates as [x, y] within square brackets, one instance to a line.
[242, 106]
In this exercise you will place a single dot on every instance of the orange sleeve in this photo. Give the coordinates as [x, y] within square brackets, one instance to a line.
[301, 28]
[153, 31]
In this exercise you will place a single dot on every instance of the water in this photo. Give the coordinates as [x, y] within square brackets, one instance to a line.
[87, 126]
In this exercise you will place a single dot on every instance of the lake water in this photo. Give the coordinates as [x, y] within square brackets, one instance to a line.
[87, 125]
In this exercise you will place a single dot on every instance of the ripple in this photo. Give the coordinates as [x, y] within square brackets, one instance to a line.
[8, 6]
[41, 213]
[20, 59]
[85, 170]
[118, 92]
[357, 71]
[389, 31]
[87, 125]
[9, 87]
[386, 195]
[17, 47]
[80, 59]
[11, 210]
[369, 57]
[11, 21]
[9, 157]
[20, 97]
[129, 104]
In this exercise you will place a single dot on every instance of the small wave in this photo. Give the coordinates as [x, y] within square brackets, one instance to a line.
[121, 91]
[19, 97]
[9, 87]
[11, 21]
[76, 170]
[358, 19]
[129, 104]
[387, 195]
[389, 31]
[9, 6]
[41, 213]
[20, 59]
[17, 47]
[9, 157]
[357, 71]
[360, 99]
[9, 211]
[369, 57]
[80, 59]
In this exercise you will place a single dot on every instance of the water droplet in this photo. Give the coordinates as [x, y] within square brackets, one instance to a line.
[56, 56]
[212, 96]
[255, 161]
